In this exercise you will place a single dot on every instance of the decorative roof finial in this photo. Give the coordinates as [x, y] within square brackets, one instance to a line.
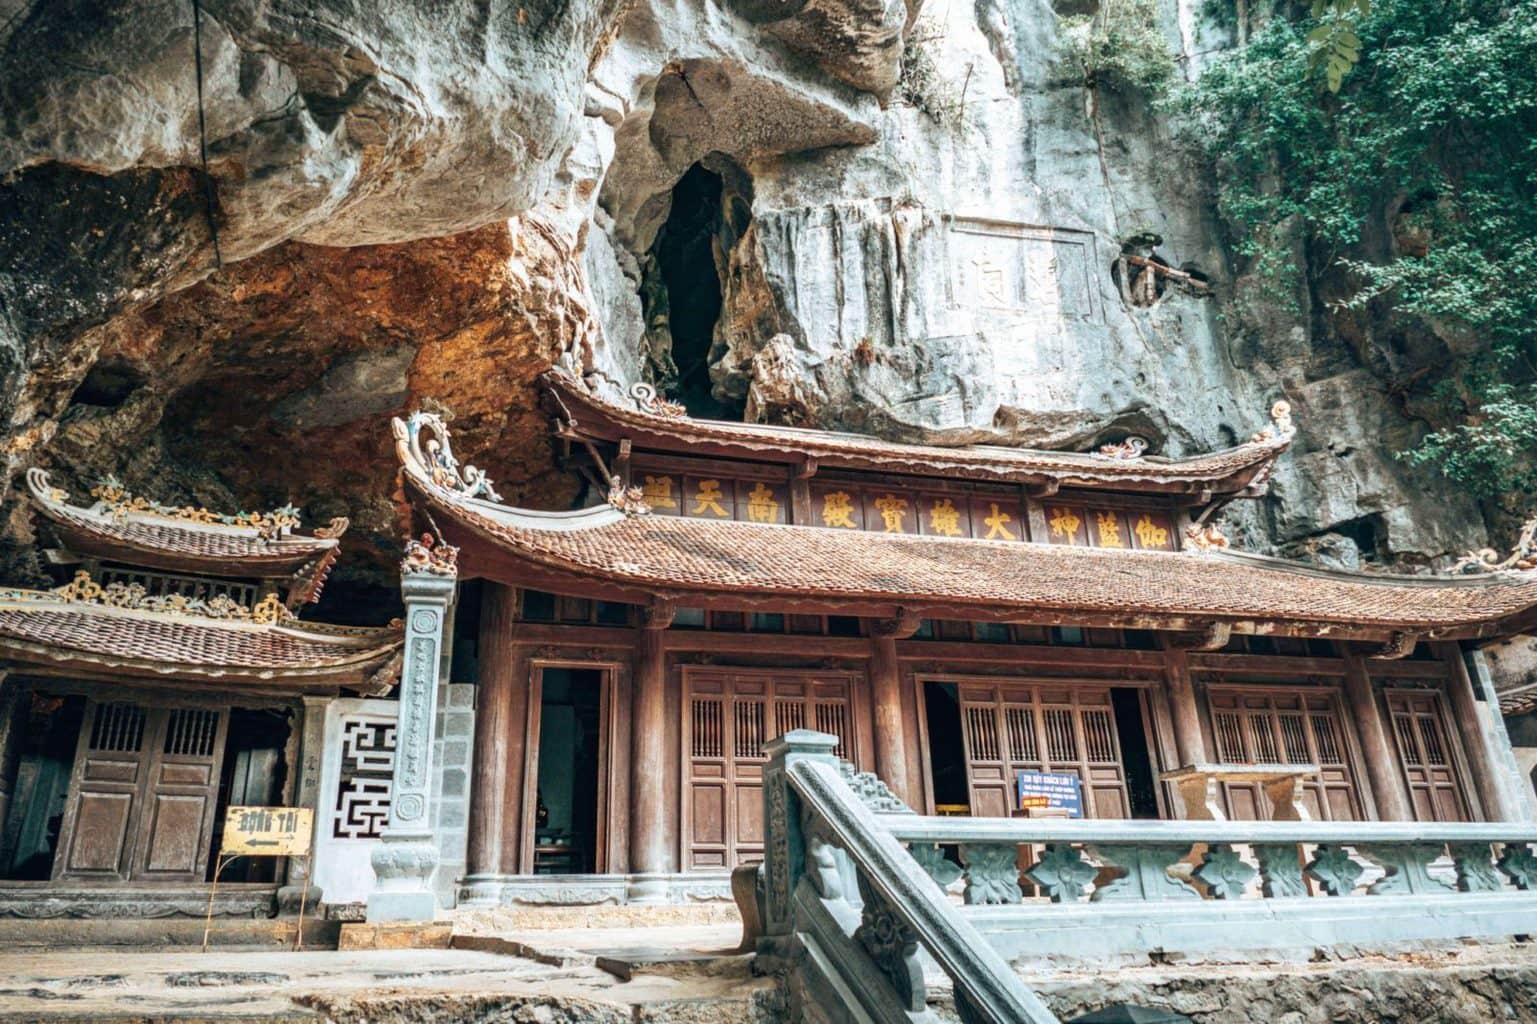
[629, 500]
[647, 400]
[431, 556]
[433, 456]
[1131, 448]
[1206, 537]
[1522, 558]
[1282, 429]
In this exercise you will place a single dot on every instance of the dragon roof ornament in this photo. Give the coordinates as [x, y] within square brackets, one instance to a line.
[646, 399]
[422, 439]
[1522, 558]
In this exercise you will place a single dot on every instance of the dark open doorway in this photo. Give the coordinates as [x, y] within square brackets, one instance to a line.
[254, 775]
[1136, 757]
[947, 748]
[46, 728]
[568, 817]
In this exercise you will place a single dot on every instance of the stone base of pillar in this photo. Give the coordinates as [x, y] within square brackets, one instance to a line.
[481, 890]
[289, 897]
[403, 865]
[647, 889]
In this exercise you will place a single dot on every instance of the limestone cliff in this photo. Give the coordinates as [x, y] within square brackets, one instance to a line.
[845, 213]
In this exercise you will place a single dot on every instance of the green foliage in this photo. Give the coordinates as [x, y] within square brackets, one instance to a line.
[1336, 47]
[1430, 140]
[1120, 47]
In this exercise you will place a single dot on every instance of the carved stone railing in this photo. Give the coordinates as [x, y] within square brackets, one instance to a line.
[854, 885]
[1134, 887]
[845, 907]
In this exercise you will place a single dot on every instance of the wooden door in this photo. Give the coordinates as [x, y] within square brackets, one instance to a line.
[142, 793]
[182, 787]
[1011, 727]
[105, 792]
[1254, 726]
[1419, 726]
[727, 718]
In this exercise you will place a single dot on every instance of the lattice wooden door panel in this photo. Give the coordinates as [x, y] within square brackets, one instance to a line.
[1285, 727]
[1041, 727]
[727, 718]
[1419, 727]
[142, 793]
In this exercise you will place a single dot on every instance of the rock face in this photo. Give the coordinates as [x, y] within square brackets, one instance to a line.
[852, 214]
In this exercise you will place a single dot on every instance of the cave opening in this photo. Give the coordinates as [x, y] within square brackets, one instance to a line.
[684, 291]
[107, 385]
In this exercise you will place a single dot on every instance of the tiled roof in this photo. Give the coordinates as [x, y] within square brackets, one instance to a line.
[588, 414]
[1518, 703]
[677, 557]
[157, 542]
[40, 628]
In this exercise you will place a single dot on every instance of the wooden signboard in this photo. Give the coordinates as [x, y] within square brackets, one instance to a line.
[268, 831]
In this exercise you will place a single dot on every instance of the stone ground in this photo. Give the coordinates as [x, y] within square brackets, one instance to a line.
[575, 975]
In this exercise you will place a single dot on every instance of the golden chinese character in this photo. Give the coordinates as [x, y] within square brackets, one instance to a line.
[996, 528]
[1151, 534]
[1109, 529]
[944, 519]
[658, 492]
[1065, 524]
[761, 506]
[707, 499]
[892, 510]
[837, 510]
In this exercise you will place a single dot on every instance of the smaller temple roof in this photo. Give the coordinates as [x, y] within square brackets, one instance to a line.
[629, 555]
[653, 423]
[123, 528]
[116, 632]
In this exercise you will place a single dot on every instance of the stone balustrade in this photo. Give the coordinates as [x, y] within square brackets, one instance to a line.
[854, 885]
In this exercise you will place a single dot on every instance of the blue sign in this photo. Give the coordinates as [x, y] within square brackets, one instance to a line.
[1050, 789]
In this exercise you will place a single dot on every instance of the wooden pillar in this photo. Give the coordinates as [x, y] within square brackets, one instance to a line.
[496, 783]
[1468, 712]
[1389, 791]
[891, 739]
[890, 723]
[1184, 713]
[649, 858]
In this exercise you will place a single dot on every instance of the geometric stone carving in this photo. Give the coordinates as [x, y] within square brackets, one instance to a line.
[1279, 870]
[1334, 870]
[1407, 866]
[1062, 873]
[992, 873]
[367, 767]
[1225, 874]
[1146, 872]
[893, 946]
[1475, 868]
[933, 860]
[1519, 865]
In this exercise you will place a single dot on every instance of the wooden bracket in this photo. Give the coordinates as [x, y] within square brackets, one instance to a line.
[1214, 636]
[902, 626]
[1045, 489]
[806, 470]
[658, 614]
[1400, 645]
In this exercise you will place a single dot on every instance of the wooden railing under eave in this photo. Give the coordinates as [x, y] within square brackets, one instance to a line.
[853, 885]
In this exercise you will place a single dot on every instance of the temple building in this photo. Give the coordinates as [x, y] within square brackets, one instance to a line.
[166, 678]
[955, 616]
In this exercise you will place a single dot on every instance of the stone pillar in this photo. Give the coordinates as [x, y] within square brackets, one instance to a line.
[890, 724]
[1382, 769]
[1184, 713]
[407, 853]
[311, 727]
[1517, 783]
[1468, 712]
[494, 792]
[649, 859]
